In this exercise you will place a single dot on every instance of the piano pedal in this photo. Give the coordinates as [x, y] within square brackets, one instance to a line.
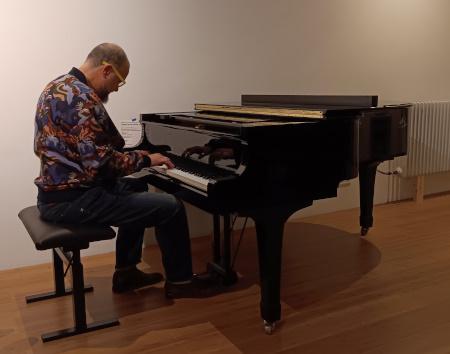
[222, 276]
[269, 327]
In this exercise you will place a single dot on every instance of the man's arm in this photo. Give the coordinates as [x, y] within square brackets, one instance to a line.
[97, 151]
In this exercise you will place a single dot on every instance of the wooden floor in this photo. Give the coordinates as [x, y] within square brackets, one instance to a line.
[386, 293]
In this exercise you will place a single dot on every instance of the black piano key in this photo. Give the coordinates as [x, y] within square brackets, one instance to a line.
[198, 168]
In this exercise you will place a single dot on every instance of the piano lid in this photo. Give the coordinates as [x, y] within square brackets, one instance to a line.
[291, 107]
[326, 102]
[293, 112]
[221, 123]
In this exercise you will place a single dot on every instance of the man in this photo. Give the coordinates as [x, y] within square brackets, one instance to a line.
[82, 165]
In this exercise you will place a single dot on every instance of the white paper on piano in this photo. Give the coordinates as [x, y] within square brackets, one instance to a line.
[132, 132]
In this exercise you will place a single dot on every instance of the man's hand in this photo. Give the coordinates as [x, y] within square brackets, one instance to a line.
[220, 154]
[159, 159]
[201, 151]
[216, 154]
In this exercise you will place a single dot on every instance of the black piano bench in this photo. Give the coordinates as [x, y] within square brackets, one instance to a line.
[66, 242]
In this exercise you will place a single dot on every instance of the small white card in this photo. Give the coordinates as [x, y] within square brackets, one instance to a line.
[132, 132]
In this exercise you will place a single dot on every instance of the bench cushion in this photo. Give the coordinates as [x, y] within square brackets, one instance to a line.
[48, 235]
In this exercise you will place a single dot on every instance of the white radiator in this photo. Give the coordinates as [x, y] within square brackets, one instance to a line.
[428, 143]
[428, 139]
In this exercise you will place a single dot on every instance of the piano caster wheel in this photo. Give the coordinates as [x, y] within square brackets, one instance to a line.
[269, 327]
[364, 231]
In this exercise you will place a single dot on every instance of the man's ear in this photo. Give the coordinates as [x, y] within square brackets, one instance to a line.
[106, 71]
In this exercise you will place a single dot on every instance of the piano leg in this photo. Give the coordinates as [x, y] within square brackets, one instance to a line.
[270, 239]
[367, 172]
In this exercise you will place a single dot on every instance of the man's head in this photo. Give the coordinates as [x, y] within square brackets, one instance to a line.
[106, 68]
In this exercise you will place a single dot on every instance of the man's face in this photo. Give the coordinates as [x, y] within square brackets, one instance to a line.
[112, 78]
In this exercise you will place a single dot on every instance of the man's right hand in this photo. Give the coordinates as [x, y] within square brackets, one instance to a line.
[159, 159]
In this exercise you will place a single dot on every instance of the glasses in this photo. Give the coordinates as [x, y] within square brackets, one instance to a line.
[122, 80]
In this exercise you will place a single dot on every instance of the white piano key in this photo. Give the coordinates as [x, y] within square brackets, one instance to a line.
[188, 178]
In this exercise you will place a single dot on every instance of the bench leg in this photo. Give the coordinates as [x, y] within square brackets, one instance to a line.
[69, 332]
[77, 291]
[79, 307]
[58, 276]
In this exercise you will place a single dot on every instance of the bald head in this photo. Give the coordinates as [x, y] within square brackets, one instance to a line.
[105, 69]
[108, 52]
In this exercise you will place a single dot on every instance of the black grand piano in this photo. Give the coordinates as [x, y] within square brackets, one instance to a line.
[267, 158]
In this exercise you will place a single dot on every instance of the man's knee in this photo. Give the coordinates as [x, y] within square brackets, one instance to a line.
[135, 184]
[174, 205]
[171, 208]
[153, 208]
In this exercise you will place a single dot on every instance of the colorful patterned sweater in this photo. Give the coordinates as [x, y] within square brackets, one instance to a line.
[75, 139]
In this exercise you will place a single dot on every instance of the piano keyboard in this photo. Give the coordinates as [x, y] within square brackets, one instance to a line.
[185, 177]
[192, 173]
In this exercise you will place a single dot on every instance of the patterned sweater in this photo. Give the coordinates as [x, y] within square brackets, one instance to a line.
[75, 139]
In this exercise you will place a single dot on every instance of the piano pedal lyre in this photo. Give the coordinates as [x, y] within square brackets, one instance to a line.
[221, 268]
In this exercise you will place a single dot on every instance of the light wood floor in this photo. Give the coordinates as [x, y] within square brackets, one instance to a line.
[386, 293]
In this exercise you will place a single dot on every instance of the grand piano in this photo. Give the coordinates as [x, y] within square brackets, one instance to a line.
[268, 157]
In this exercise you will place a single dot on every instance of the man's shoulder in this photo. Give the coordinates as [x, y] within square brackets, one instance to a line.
[68, 80]
[68, 88]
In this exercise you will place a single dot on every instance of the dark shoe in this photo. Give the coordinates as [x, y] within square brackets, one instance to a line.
[200, 286]
[131, 279]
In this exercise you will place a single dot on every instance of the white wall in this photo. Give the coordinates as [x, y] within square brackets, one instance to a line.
[187, 51]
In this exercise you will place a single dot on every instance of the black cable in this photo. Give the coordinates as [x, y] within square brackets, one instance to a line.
[239, 243]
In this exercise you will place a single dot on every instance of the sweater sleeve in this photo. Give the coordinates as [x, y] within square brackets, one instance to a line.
[97, 148]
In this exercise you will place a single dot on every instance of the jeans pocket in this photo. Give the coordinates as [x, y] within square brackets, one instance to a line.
[54, 212]
[64, 213]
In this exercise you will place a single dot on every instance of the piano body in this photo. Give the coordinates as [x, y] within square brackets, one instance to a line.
[383, 134]
[269, 164]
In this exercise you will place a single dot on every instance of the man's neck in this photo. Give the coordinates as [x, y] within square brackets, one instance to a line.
[89, 74]
[78, 74]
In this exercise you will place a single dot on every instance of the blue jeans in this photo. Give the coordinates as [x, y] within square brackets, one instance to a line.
[128, 205]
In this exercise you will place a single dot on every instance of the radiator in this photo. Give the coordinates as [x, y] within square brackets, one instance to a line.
[428, 143]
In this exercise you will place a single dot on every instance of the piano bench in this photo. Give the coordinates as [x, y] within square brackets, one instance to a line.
[66, 241]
